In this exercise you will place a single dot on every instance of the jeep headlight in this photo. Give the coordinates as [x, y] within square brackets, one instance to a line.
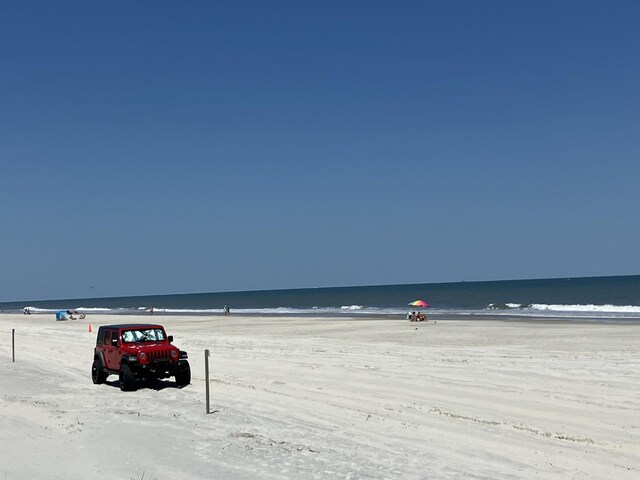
[174, 353]
[143, 355]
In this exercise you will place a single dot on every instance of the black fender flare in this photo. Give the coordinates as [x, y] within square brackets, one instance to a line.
[99, 356]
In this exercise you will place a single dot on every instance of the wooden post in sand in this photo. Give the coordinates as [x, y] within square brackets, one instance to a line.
[13, 344]
[206, 377]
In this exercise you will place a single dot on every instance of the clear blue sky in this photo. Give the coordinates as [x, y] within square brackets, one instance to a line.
[171, 147]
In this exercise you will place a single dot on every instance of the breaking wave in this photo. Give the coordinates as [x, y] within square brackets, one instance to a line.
[575, 310]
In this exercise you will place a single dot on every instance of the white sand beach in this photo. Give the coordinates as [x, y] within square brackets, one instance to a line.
[311, 398]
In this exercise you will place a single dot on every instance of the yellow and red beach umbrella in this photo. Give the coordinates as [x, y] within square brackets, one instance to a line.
[418, 303]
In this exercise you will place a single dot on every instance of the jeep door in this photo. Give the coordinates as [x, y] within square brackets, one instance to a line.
[111, 354]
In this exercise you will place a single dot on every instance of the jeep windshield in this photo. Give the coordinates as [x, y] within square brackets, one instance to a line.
[143, 335]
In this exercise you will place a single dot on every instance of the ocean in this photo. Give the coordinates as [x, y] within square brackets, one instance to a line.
[586, 298]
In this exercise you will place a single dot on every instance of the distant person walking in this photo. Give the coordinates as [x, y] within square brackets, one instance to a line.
[226, 310]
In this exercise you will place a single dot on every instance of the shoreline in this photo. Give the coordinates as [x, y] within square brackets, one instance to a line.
[453, 317]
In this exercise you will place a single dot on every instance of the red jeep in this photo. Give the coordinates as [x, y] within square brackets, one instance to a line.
[138, 352]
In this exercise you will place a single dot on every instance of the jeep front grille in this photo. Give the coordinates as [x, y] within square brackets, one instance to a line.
[155, 355]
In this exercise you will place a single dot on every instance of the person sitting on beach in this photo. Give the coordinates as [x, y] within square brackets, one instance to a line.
[412, 317]
[71, 317]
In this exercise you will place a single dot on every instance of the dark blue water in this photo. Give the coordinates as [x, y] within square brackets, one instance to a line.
[606, 297]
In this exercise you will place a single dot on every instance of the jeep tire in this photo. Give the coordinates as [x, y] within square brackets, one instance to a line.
[97, 372]
[183, 374]
[127, 379]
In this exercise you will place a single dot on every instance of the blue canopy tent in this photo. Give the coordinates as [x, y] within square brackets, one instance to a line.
[61, 315]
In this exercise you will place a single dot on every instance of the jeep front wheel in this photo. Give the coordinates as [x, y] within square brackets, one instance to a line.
[183, 375]
[97, 373]
[127, 380]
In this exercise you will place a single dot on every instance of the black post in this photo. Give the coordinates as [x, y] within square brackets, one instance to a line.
[13, 344]
[206, 377]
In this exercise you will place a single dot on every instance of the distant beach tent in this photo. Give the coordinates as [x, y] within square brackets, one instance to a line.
[61, 315]
[418, 303]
